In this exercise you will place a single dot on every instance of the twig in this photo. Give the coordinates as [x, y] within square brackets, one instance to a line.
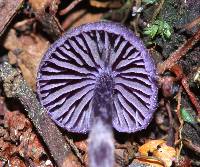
[75, 149]
[174, 57]
[190, 25]
[70, 7]
[15, 86]
[180, 76]
[171, 136]
[191, 146]
[178, 108]
[72, 18]
[178, 138]
[193, 98]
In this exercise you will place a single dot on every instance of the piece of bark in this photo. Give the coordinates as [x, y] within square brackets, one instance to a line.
[8, 9]
[15, 86]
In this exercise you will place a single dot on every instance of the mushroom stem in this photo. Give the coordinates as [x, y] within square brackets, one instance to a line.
[101, 145]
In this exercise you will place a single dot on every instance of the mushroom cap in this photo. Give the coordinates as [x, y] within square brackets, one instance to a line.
[67, 77]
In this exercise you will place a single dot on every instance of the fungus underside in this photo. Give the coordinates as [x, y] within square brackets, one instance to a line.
[98, 76]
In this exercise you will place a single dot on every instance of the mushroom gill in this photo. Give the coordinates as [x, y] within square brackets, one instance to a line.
[98, 73]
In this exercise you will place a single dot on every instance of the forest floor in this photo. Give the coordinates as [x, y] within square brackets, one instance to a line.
[170, 30]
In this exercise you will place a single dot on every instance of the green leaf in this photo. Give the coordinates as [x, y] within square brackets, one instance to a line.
[159, 27]
[166, 29]
[151, 31]
[187, 117]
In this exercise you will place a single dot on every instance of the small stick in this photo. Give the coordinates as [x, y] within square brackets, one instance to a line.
[178, 54]
[171, 133]
[72, 18]
[75, 149]
[178, 108]
[178, 138]
[15, 86]
[191, 146]
[190, 25]
[70, 7]
[180, 76]
[193, 98]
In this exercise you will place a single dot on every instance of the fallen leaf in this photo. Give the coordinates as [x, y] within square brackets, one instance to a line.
[26, 51]
[156, 153]
[39, 5]
[166, 153]
[150, 146]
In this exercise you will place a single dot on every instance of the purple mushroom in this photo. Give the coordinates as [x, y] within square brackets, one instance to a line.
[98, 76]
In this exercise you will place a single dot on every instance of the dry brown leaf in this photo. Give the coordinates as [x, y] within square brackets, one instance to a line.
[26, 51]
[166, 153]
[150, 146]
[41, 5]
[160, 151]
[106, 4]
[38, 5]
